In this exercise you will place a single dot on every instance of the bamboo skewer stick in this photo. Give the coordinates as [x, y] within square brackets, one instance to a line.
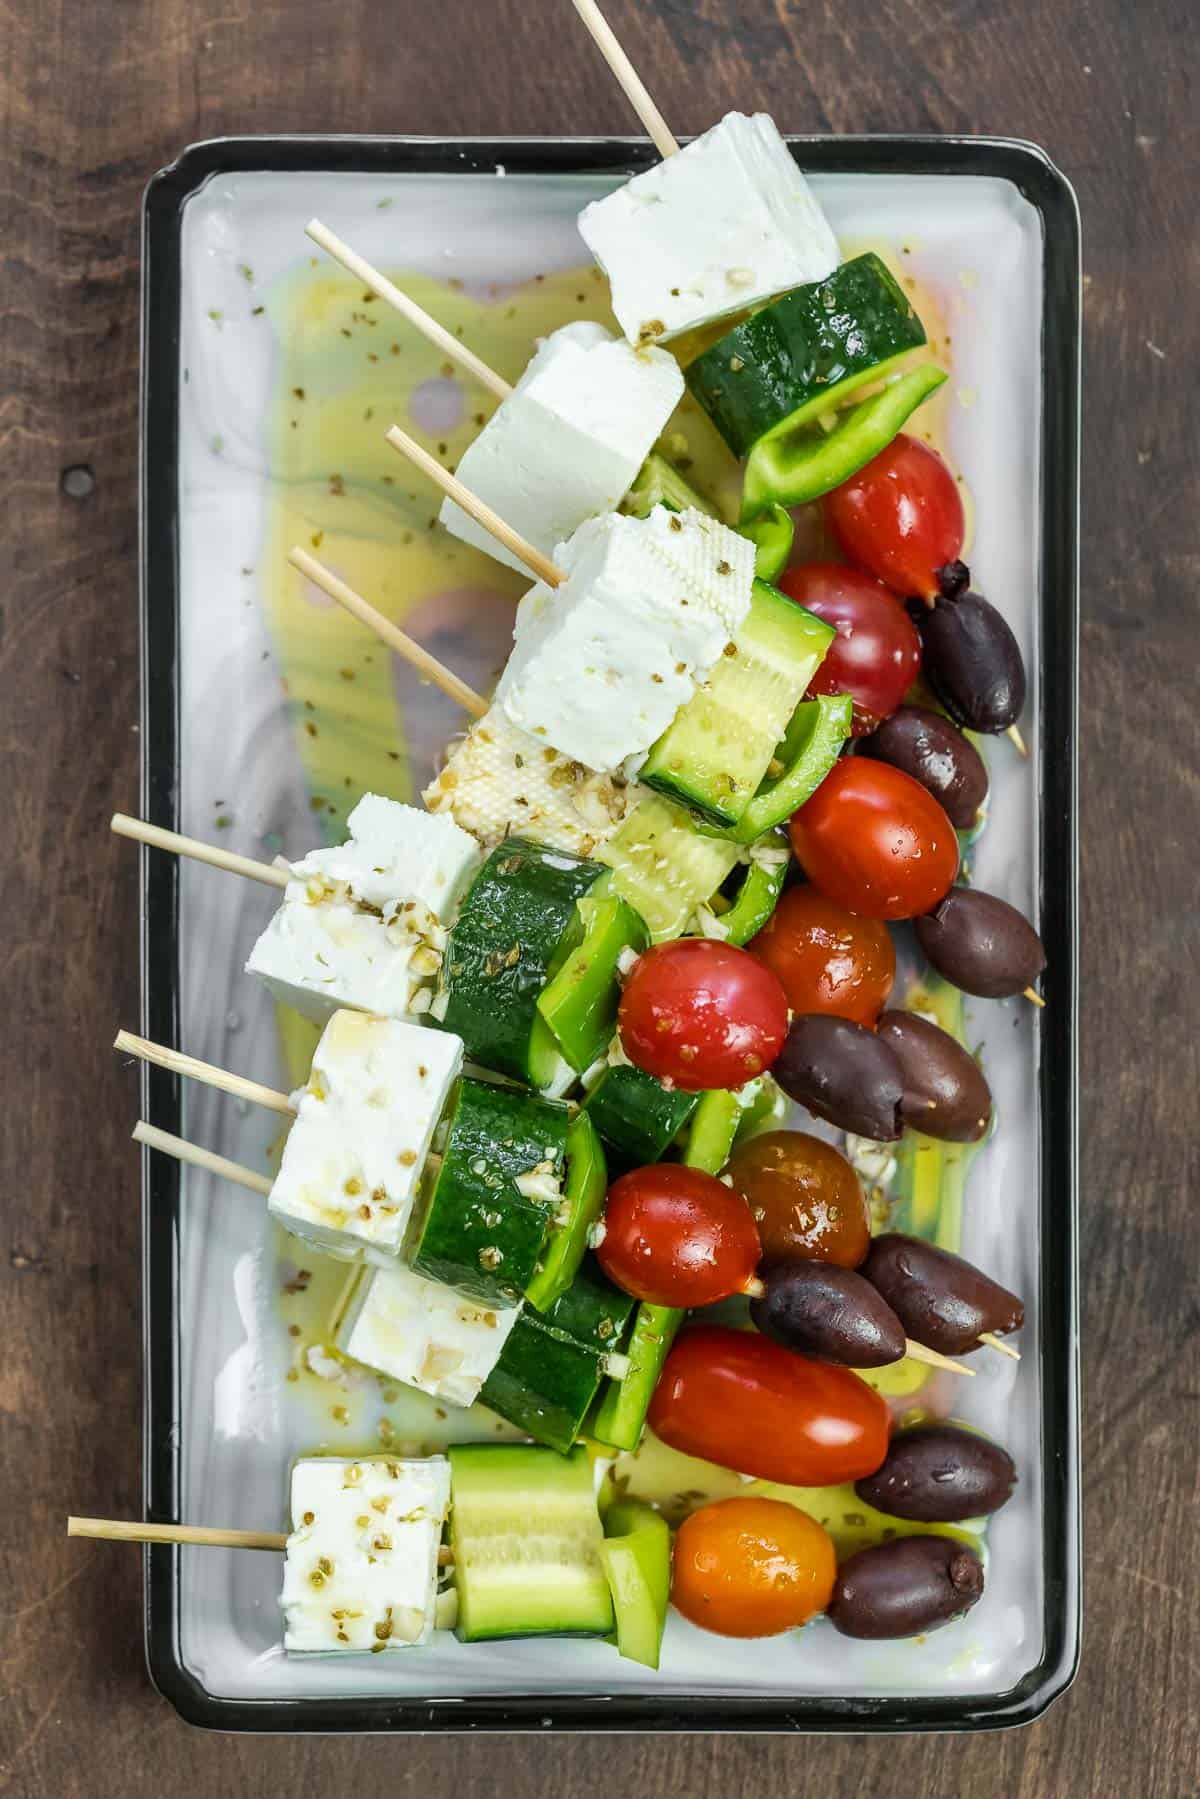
[627, 76]
[183, 1151]
[1015, 737]
[933, 1358]
[178, 1063]
[995, 1342]
[1034, 997]
[428, 326]
[452, 487]
[405, 646]
[116, 1530]
[161, 839]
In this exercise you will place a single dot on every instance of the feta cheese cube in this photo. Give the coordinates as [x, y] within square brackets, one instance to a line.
[422, 1333]
[726, 223]
[569, 440]
[498, 782]
[361, 1565]
[601, 664]
[361, 924]
[354, 1157]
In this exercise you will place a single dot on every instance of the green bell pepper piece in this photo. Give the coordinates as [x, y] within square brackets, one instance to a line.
[757, 898]
[771, 533]
[659, 483]
[584, 1193]
[636, 1556]
[809, 750]
[579, 1002]
[712, 1131]
[794, 463]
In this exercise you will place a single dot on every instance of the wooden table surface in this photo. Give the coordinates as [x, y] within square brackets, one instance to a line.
[95, 97]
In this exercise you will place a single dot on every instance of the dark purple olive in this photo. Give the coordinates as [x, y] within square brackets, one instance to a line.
[971, 659]
[941, 1300]
[940, 1474]
[945, 1094]
[981, 944]
[905, 1587]
[829, 1312]
[844, 1074]
[925, 745]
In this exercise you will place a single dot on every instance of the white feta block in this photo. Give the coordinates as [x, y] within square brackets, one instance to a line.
[601, 664]
[362, 924]
[421, 1333]
[353, 1159]
[498, 782]
[726, 223]
[361, 1566]
[569, 440]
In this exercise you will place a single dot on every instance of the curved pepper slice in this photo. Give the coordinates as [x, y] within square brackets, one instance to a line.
[579, 1001]
[771, 533]
[787, 468]
[584, 1193]
[813, 743]
[756, 900]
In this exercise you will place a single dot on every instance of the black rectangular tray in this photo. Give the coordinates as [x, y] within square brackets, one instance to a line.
[1048, 191]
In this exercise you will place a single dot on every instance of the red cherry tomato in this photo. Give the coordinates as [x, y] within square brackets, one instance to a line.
[752, 1567]
[900, 517]
[702, 1014]
[876, 841]
[677, 1237]
[876, 655]
[737, 1399]
[827, 959]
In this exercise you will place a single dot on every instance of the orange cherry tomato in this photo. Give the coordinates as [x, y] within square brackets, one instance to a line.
[876, 841]
[737, 1399]
[805, 1198]
[827, 959]
[752, 1567]
[677, 1237]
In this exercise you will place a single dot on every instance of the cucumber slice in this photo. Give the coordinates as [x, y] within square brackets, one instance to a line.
[812, 744]
[583, 1201]
[636, 1554]
[526, 1538]
[579, 1003]
[718, 748]
[517, 924]
[810, 348]
[659, 483]
[476, 1231]
[637, 1117]
[663, 866]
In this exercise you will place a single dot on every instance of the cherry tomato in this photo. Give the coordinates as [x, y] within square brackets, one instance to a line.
[702, 1014]
[677, 1237]
[804, 1197]
[827, 959]
[737, 1399]
[900, 517]
[876, 655]
[876, 841]
[752, 1567]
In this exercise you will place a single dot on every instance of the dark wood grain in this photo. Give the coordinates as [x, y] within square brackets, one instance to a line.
[92, 99]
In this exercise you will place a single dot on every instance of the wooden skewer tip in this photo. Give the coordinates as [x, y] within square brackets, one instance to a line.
[933, 1358]
[995, 1342]
[1017, 740]
[1034, 998]
[754, 1288]
[628, 79]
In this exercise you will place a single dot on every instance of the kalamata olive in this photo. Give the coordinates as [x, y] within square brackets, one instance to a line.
[925, 745]
[940, 1474]
[828, 1312]
[905, 1587]
[945, 1094]
[981, 944]
[941, 1300]
[971, 659]
[844, 1074]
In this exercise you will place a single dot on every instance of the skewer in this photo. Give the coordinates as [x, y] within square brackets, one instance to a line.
[1016, 738]
[178, 1063]
[413, 653]
[933, 1358]
[183, 1151]
[452, 487]
[119, 1530]
[416, 315]
[158, 838]
[995, 1342]
[627, 76]
[1033, 996]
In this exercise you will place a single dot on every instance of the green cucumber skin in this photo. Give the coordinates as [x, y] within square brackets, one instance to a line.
[579, 1003]
[802, 348]
[663, 866]
[812, 744]
[791, 470]
[637, 1118]
[584, 1193]
[716, 751]
[592, 1312]
[542, 1384]
[636, 1554]
[496, 1489]
[503, 946]
[469, 1214]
